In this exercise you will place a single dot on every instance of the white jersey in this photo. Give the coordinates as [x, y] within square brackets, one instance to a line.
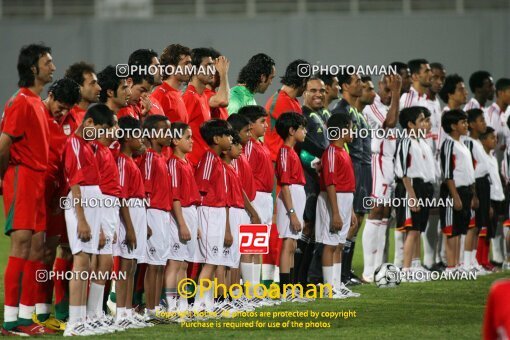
[473, 104]
[497, 193]
[431, 175]
[410, 160]
[457, 163]
[376, 116]
[413, 98]
[480, 161]
[434, 107]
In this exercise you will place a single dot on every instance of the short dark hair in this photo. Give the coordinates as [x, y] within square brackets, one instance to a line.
[436, 66]
[77, 70]
[326, 77]
[214, 53]
[344, 78]
[473, 114]
[259, 65]
[142, 57]
[213, 128]
[100, 114]
[502, 84]
[238, 122]
[450, 84]
[128, 124]
[364, 79]
[178, 129]
[410, 115]
[253, 112]
[65, 91]
[339, 120]
[292, 75]
[399, 66]
[108, 80]
[289, 120]
[236, 139]
[487, 132]
[197, 54]
[415, 65]
[426, 112]
[151, 121]
[476, 80]
[28, 57]
[452, 117]
[172, 55]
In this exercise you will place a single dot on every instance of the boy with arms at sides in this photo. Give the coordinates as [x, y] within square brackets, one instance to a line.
[213, 214]
[335, 213]
[259, 159]
[132, 230]
[184, 217]
[459, 180]
[410, 168]
[290, 203]
[83, 222]
[157, 183]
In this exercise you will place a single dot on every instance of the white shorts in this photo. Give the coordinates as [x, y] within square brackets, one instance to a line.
[184, 251]
[297, 192]
[323, 233]
[109, 223]
[93, 217]
[158, 245]
[263, 205]
[382, 176]
[211, 222]
[138, 216]
[231, 255]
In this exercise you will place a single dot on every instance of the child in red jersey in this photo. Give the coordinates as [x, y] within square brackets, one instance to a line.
[157, 188]
[335, 205]
[290, 203]
[83, 221]
[184, 218]
[213, 218]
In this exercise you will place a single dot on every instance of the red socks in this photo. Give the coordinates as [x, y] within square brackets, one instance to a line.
[12, 280]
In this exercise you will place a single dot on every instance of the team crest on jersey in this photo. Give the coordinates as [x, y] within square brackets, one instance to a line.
[176, 246]
[215, 250]
[152, 251]
[67, 129]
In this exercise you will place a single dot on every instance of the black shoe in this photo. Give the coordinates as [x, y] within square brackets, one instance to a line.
[352, 280]
[436, 267]
[497, 264]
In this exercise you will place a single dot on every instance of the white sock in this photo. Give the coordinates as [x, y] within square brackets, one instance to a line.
[369, 241]
[461, 248]
[415, 263]
[75, 314]
[399, 248]
[339, 276]
[182, 304]
[246, 272]
[276, 274]
[497, 249]
[11, 313]
[121, 311]
[83, 313]
[381, 241]
[129, 312]
[256, 273]
[336, 274]
[327, 273]
[42, 308]
[95, 300]
[171, 301]
[474, 262]
[268, 272]
[467, 258]
[25, 312]
[428, 246]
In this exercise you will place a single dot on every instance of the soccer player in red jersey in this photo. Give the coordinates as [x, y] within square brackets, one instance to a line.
[197, 103]
[23, 163]
[83, 219]
[218, 101]
[284, 100]
[213, 222]
[132, 232]
[157, 183]
[84, 74]
[139, 103]
[184, 218]
[175, 60]
[290, 204]
[62, 95]
[496, 323]
[115, 92]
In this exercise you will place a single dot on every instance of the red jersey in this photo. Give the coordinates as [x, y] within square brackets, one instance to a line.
[156, 108]
[156, 180]
[259, 159]
[110, 179]
[243, 169]
[198, 109]
[278, 103]
[216, 112]
[211, 179]
[337, 170]
[234, 187]
[184, 188]
[80, 165]
[496, 324]
[130, 110]
[288, 167]
[78, 114]
[130, 178]
[171, 102]
[26, 119]
[57, 142]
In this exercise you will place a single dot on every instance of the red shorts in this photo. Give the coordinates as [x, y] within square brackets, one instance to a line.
[55, 218]
[23, 192]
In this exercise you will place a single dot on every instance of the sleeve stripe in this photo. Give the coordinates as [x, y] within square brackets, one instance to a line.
[331, 159]
[283, 159]
[148, 166]
[377, 113]
[249, 147]
[120, 165]
[76, 148]
[208, 166]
